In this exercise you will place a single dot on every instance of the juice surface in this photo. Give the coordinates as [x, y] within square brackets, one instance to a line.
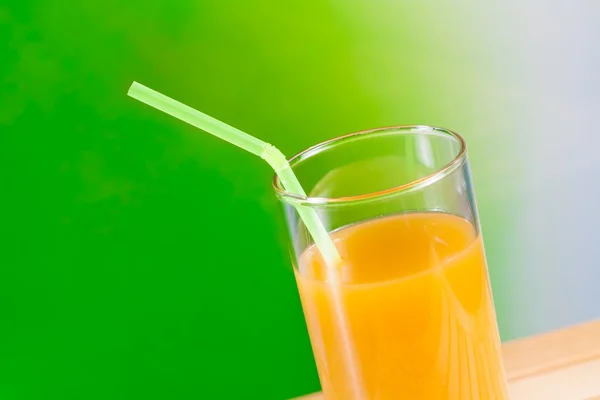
[413, 317]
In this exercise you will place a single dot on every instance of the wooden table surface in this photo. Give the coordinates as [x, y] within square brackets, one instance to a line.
[560, 365]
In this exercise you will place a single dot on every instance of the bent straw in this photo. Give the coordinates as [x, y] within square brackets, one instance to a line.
[282, 168]
[249, 143]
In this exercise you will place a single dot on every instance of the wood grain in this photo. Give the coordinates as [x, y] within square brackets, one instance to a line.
[559, 365]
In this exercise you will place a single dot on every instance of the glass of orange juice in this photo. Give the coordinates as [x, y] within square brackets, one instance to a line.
[410, 315]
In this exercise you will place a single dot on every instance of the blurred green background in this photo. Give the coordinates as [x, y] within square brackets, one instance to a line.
[142, 259]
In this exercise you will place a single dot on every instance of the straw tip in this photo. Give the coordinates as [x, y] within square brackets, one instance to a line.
[134, 86]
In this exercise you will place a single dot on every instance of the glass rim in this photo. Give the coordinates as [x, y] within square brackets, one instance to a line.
[305, 154]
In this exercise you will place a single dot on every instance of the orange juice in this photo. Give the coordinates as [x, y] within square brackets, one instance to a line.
[412, 316]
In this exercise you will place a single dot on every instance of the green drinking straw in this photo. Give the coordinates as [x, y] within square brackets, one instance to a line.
[264, 150]
[282, 168]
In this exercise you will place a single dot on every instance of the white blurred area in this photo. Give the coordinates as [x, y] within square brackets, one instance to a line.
[560, 255]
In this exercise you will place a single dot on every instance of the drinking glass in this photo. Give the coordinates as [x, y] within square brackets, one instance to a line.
[410, 314]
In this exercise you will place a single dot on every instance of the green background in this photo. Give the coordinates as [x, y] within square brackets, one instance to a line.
[143, 259]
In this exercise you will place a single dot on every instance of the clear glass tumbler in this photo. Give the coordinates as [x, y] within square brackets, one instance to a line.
[411, 314]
